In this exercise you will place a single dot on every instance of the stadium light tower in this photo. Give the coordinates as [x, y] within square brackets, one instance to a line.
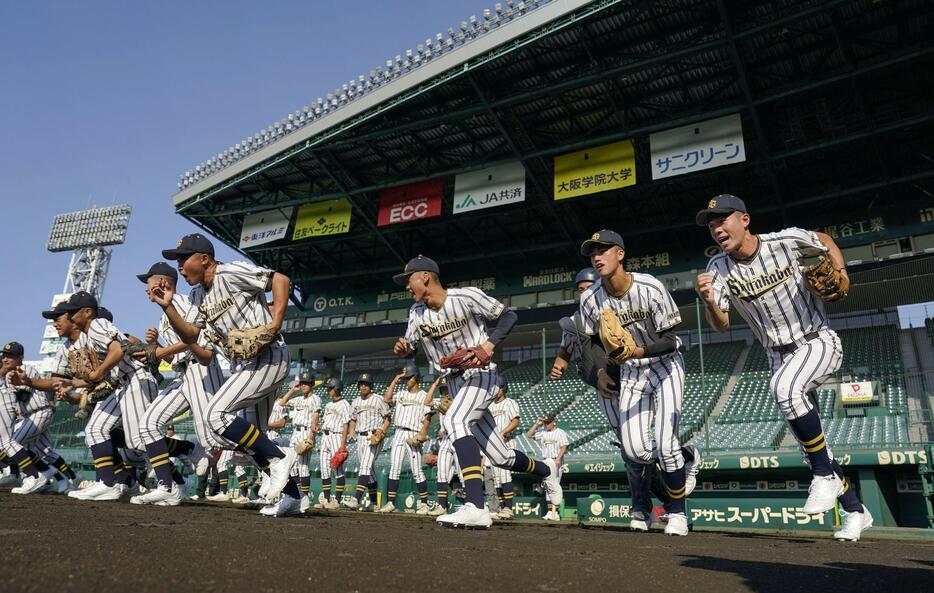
[88, 234]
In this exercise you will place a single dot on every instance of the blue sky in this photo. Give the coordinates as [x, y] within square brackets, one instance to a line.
[108, 102]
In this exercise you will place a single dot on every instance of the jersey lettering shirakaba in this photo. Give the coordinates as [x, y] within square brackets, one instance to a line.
[236, 299]
[369, 413]
[410, 409]
[646, 311]
[459, 323]
[769, 289]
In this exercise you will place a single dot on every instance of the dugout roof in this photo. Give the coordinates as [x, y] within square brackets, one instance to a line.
[835, 98]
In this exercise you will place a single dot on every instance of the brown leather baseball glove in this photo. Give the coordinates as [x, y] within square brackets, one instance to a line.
[474, 357]
[826, 282]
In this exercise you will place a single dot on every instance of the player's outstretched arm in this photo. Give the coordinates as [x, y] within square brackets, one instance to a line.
[560, 364]
[162, 294]
[716, 317]
[391, 388]
[114, 356]
[203, 355]
[538, 424]
[513, 424]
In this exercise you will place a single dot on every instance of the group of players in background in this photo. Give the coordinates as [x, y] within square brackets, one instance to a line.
[761, 276]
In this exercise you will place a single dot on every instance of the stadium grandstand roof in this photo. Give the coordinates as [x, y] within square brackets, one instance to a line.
[835, 98]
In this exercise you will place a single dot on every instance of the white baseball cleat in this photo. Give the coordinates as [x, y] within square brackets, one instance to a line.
[219, 497]
[304, 504]
[287, 506]
[468, 516]
[640, 521]
[691, 469]
[105, 492]
[554, 516]
[177, 495]
[241, 500]
[553, 483]
[279, 470]
[387, 508]
[319, 506]
[854, 524]
[438, 511]
[422, 509]
[333, 505]
[504, 514]
[822, 493]
[153, 496]
[195, 497]
[32, 485]
[352, 503]
[263, 484]
[677, 524]
[83, 493]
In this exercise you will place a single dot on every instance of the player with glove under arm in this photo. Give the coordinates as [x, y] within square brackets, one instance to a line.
[764, 279]
[445, 322]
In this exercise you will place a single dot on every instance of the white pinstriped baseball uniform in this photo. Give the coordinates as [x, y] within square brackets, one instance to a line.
[277, 413]
[503, 413]
[236, 299]
[447, 459]
[369, 414]
[409, 410]
[193, 387]
[302, 412]
[35, 417]
[770, 292]
[336, 415]
[462, 322]
[551, 441]
[651, 389]
[137, 386]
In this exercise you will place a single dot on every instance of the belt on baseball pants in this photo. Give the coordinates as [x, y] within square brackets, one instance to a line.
[786, 348]
[364, 433]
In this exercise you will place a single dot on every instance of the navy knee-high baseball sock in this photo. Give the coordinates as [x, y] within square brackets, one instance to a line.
[639, 487]
[63, 468]
[304, 484]
[507, 495]
[372, 490]
[499, 495]
[442, 495]
[468, 456]
[177, 476]
[392, 488]
[339, 486]
[807, 429]
[26, 461]
[848, 500]
[104, 462]
[362, 483]
[178, 447]
[223, 481]
[291, 489]
[674, 482]
[158, 454]
[244, 489]
[422, 491]
[326, 486]
[526, 465]
[655, 487]
[249, 437]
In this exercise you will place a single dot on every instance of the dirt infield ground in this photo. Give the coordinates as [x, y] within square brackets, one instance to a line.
[57, 544]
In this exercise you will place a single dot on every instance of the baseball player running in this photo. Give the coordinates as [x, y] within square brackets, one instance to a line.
[632, 316]
[197, 379]
[369, 421]
[38, 474]
[305, 413]
[451, 327]
[505, 412]
[237, 320]
[554, 444]
[410, 406]
[782, 300]
[333, 452]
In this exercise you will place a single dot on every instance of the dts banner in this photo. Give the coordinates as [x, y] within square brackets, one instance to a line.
[595, 170]
[410, 202]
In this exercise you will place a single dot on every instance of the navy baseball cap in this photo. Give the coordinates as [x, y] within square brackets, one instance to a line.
[335, 384]
[502, 383]
[104, 313]
[79, 300]
[419, 263]
[718, 205]
[306, 378]
[365, 378]
[548, 419]
[410, 370]
[159, 269]
[56, 311]
[586, 275]
[12, 349]
[194, 243]
[604, 237]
